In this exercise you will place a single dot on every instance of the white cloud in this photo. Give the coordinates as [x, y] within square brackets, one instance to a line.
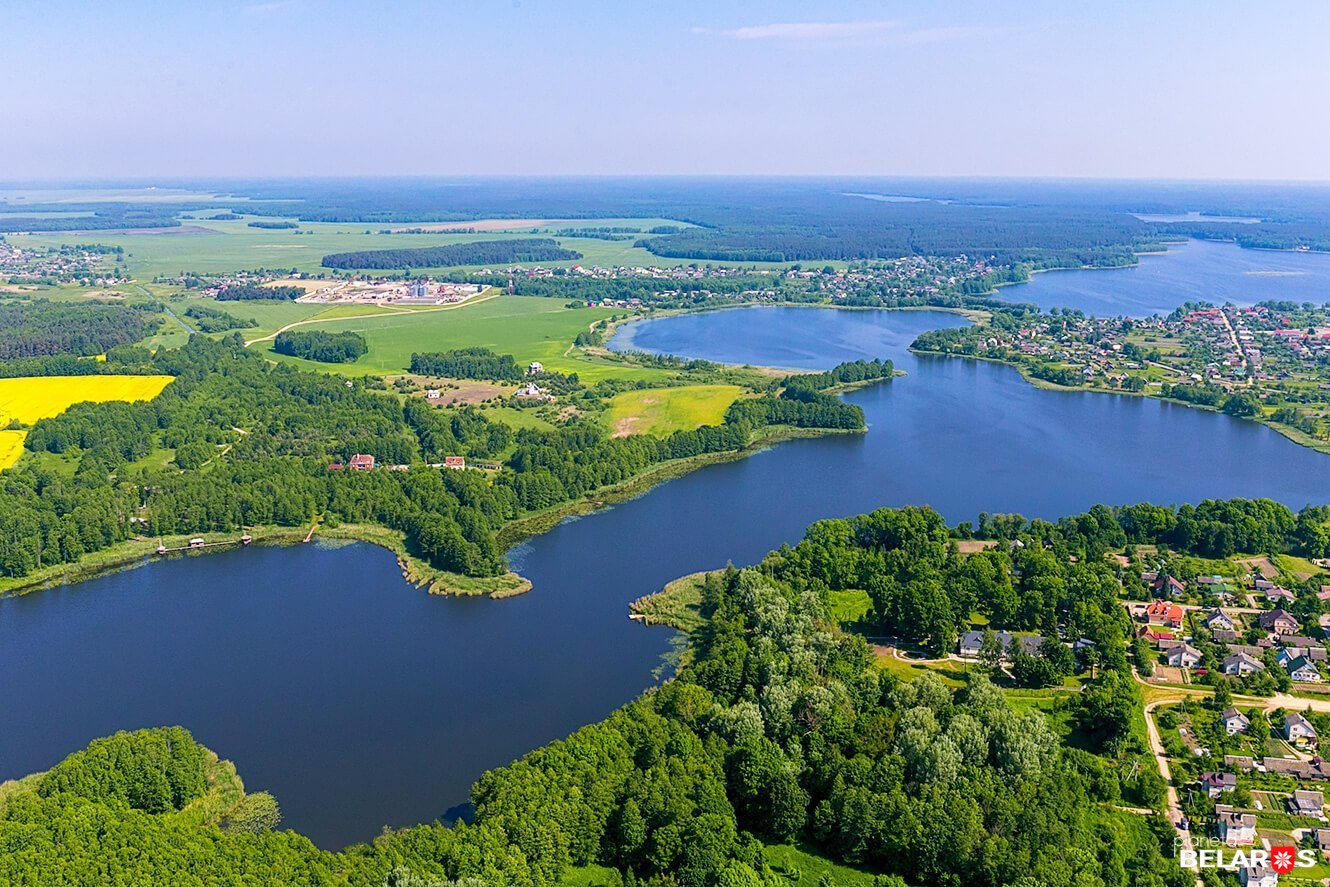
[875, 31]
[804, 30]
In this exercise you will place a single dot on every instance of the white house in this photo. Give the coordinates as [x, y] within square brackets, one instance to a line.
[1301, 669]
[1217, 618]
[1298, 727]
[1235, 721]
[1183, 656]
[1235, 828]
[1241, 664]
[535, 368]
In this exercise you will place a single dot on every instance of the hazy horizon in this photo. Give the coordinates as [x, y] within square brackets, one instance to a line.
[857, 89]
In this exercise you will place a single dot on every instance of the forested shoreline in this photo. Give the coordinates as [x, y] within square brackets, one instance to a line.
[253, 444]
[777, 727]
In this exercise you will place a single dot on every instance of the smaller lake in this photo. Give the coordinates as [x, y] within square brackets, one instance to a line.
[1195, 271]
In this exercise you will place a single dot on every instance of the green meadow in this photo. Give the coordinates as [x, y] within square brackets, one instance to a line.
[528, 328]
[662, 411]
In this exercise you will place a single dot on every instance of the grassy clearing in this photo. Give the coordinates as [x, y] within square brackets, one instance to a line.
[663, 411]
[11, 447]
[804, 867]
[590, 876]
[849, 605]
[952, 673]
[528, 328]
[678, 604]
[30, 398]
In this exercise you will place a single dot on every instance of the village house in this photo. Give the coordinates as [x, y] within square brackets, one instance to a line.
[455, 462]
[1168, 587]
[1216, 784]
[532, 391]
[1279, 621]
[1164, 613]
[1235, 828]
[1323, 842]
[1241, 664]
[1234, 721]
[1298, 728]
[1182, 656]
[535, 368]
[1258, 876]
[432, 393]
[1306, 803]
[361, 462]
[1225, 635]
[1218, 619]
[1279, 594]
[1301, 669]
[1239, 762]
[972, 642]
[1317, 769]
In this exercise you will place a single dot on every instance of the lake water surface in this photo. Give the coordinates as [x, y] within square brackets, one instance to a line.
[1193, 271]
[360, 701]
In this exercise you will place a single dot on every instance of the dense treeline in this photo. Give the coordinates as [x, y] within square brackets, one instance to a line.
[273, 225]
[1313, 235]
[98, 217]
[41, 328]
[799, 408]
[1042, 236]
[267, 434]
[848, 373]
[480, 252]
[468, 363]
[246, 292]
[325, 347]
[214, 320]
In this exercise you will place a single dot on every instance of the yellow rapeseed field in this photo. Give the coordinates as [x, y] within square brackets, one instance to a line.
[39, 397]
[11, 447]
[30, 398]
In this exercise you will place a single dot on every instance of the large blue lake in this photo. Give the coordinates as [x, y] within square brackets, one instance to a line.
[362, 702]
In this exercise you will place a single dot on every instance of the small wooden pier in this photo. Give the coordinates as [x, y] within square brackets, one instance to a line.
[198, 543]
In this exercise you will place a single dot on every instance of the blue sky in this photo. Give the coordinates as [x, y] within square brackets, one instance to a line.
[322, 87]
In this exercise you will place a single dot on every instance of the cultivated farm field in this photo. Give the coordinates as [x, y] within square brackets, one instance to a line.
[30, 398]
[212, 246]
[11, 447]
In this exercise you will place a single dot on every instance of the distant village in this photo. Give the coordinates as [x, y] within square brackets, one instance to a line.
[88, 265]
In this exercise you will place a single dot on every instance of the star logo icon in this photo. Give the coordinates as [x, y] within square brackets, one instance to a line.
[1282, 859]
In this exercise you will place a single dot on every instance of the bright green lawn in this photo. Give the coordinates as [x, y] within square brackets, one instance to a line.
[662, 411]
[528, 328]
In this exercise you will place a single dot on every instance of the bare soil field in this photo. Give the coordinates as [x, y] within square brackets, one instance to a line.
[455, 391]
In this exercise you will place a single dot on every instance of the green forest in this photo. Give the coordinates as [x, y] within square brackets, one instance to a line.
[346, 347]
[481, 252]
[41, 328]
